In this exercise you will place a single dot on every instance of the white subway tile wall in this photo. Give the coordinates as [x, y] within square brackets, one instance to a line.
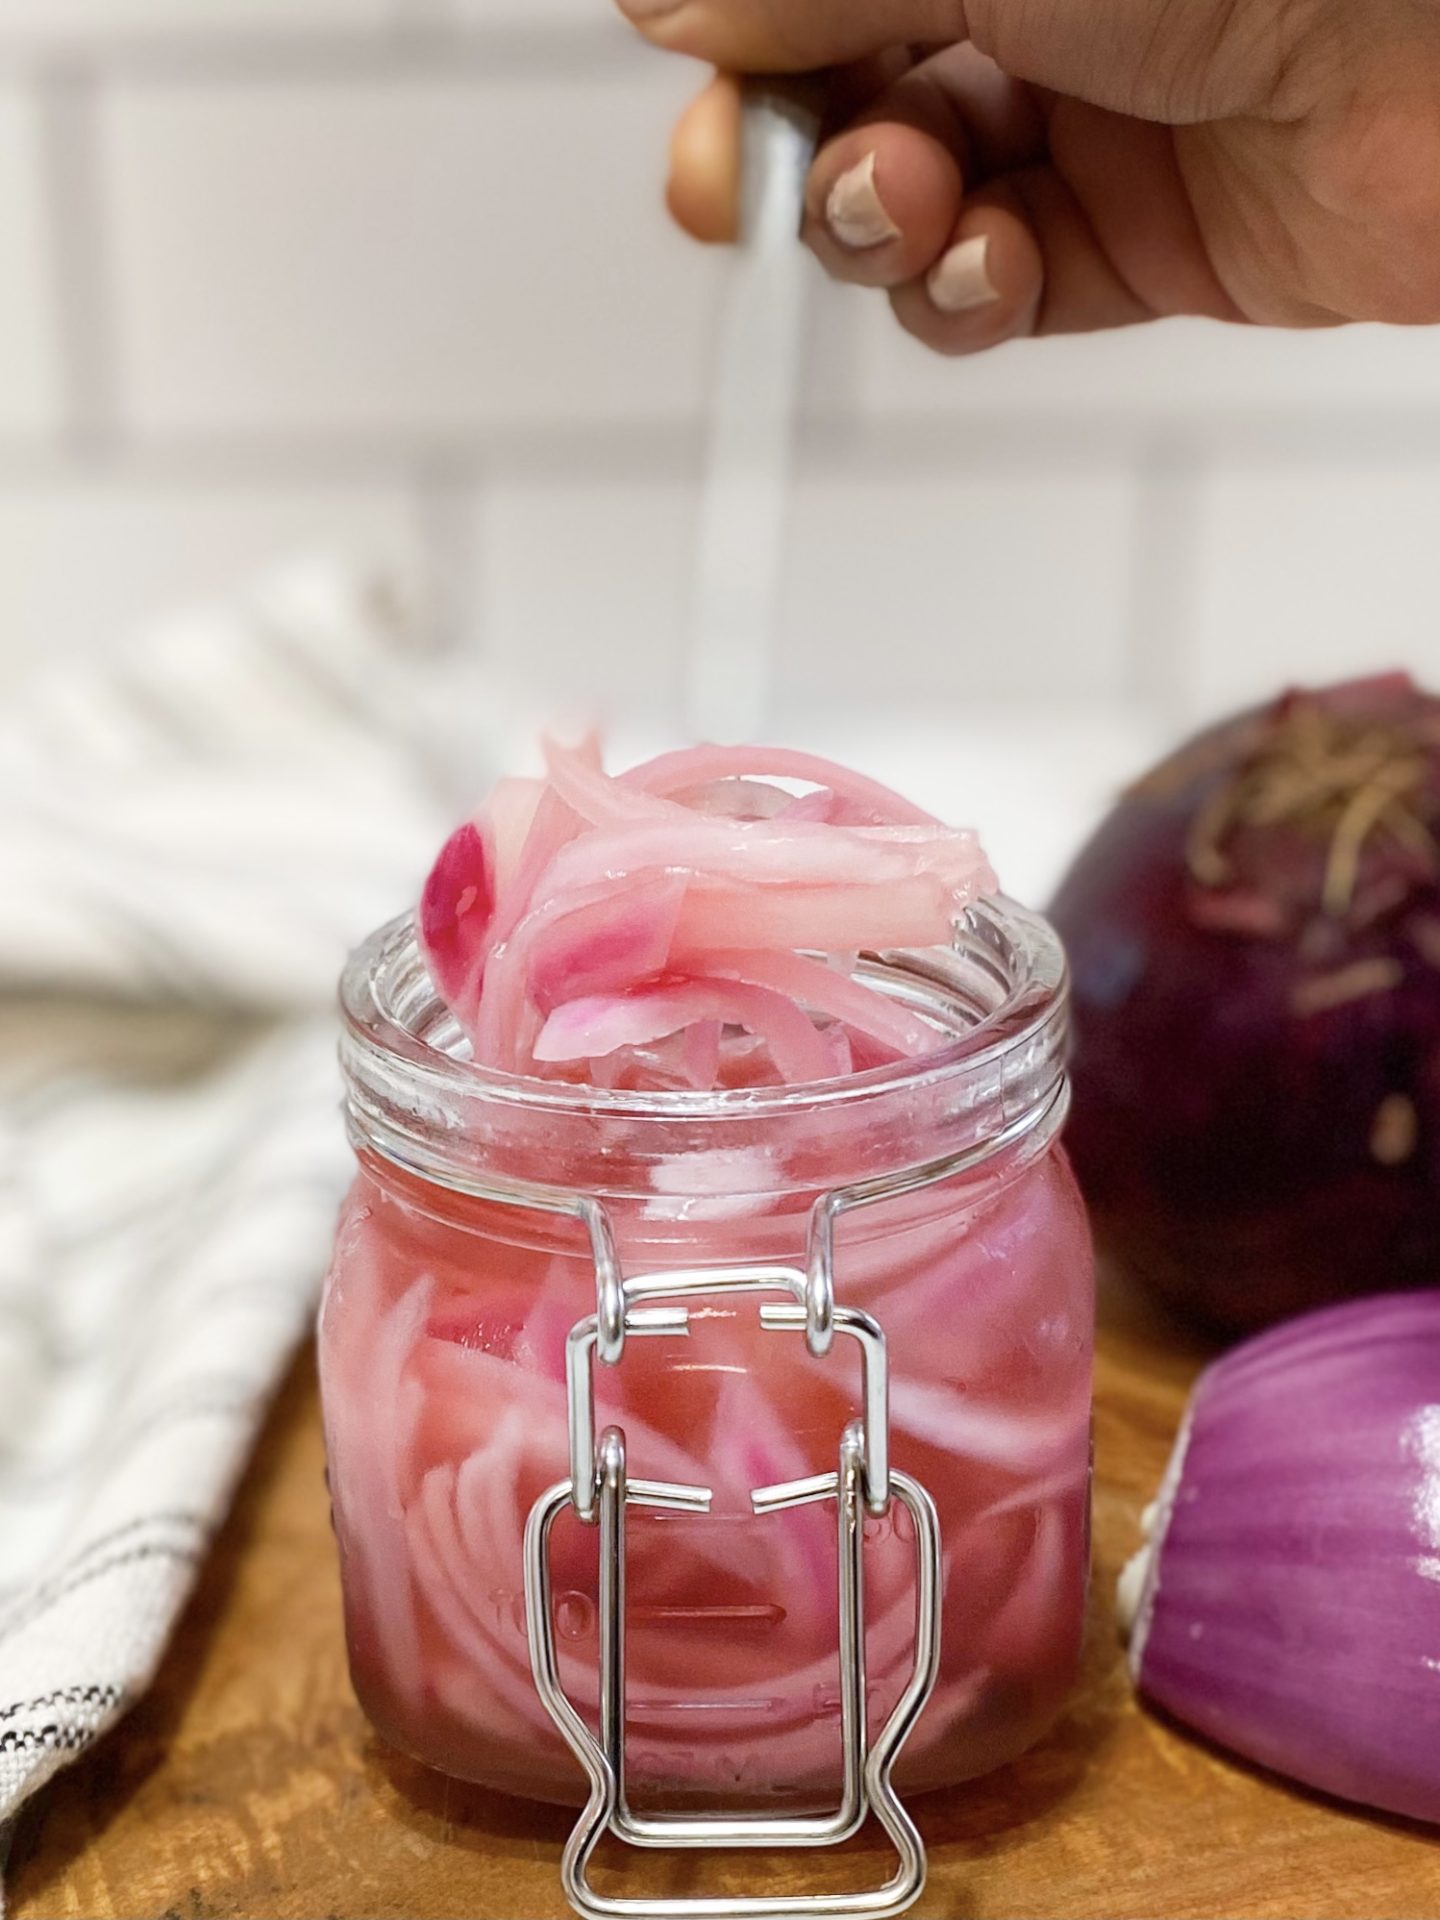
[394, 276]
[581, 591]
[31, 401]
[88, 21]
[915, 589]
[1193, 367]
[396, 255]
[1305, 573]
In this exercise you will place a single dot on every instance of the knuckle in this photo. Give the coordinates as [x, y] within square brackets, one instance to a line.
[1375, 173]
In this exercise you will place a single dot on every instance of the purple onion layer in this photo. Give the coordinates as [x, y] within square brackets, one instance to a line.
[1290, 1607]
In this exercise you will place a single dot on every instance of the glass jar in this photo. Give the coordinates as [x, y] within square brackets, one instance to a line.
[467, 1254]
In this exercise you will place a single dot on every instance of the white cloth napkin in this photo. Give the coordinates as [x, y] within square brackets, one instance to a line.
[189, 842]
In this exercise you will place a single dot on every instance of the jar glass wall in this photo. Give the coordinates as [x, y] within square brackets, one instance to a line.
[443, 1332]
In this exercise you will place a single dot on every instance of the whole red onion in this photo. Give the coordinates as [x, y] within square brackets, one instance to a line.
[1254, 934]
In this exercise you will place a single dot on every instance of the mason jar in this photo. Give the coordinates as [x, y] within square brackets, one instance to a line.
[494, 1288]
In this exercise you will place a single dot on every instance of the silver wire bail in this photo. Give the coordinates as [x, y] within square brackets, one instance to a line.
[600, 1489]
[867, 1785]
[820, 1277]
[609, 1287]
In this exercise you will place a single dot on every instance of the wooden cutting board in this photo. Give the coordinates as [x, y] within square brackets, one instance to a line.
[248, 1785]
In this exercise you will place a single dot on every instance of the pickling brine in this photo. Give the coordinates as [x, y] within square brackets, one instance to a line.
[443, 1356]
[443, 1350]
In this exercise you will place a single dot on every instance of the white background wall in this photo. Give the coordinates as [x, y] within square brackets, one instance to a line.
[391, 275]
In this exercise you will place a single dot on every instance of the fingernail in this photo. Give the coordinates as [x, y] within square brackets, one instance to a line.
[959, 281]
[854, 211]
[649, 9]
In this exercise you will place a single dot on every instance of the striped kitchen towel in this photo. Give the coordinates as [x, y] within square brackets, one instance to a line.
[189, 841]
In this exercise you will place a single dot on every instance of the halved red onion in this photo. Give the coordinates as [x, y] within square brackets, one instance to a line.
[1287, 1603]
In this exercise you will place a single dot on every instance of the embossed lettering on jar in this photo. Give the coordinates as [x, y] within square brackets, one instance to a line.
[443, 1332]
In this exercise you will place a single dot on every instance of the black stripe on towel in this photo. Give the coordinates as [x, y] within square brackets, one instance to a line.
[19, 1593]
[174, 1517]
[53, 1739]
[28, 1615]
[93, 1695]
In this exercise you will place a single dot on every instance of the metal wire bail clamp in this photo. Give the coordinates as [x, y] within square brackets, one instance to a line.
[599, 1490]
[603, 1759]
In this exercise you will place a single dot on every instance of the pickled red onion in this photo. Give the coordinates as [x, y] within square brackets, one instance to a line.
[604, 939]
[456, 908]
[702, 1052]
[824, 990]
[598, 799]
[770, 853]
[744, 799]
[824, 804]
[673, 772]
[588, 919]
[834, 920]
[587, 1028]
[511, 814]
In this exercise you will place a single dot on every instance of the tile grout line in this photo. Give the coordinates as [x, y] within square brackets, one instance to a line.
[422, 17]
[900, 448]
[416, 38]
[65, 97]
[636, 449]
[1159, 618]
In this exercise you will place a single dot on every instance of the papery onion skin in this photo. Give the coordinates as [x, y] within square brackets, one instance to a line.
[1291, 1602]
[1256, 1119]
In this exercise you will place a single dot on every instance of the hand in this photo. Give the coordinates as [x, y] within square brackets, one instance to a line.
[1012, 167]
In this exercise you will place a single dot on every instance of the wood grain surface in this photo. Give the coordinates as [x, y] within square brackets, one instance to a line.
[248, 1786]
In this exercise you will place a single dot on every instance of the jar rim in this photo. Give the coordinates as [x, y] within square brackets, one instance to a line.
[384, 989]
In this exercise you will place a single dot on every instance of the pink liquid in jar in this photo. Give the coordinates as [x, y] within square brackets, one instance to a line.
[442, 1349]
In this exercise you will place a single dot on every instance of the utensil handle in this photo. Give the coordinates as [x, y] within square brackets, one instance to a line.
[779, 127]
[748, 461]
